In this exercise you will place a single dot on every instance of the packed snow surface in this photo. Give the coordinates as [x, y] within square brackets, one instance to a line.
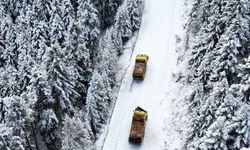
[156, 39]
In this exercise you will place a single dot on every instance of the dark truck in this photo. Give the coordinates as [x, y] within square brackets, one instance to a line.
[140, 66]
[139, 119]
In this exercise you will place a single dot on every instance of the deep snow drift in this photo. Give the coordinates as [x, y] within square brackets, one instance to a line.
[159, 26]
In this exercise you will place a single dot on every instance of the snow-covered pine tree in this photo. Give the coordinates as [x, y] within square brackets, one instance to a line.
[15, 7]
[74, 58]
[135, 8]
[48, 125]
[108, 55]
[3, 30]
[9, 54]
[99, 101]
[9, 82]
[39, 92]
[3, 10]
[58, 79]
[205, 41]
[13, 123]
[40, 40]
[42, 9]
[78, 63]
[244, 71]
[57, 27]
[76, 133]
[71, 41]
[123, 20]
[88, 24]
[238, 128]
[107, 10]
[117, 38]
[68, 14]
[234, 42]
[5, 136]
[8, 58]
[236, 112]
[25, 59]
[81, 43]
[226, 60]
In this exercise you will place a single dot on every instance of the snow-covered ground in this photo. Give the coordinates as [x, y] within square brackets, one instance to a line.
[159, 26]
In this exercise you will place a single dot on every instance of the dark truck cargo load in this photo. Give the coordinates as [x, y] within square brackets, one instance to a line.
[137, 130]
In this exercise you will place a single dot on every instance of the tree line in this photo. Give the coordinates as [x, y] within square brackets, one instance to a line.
[217, 49]
[57, 69]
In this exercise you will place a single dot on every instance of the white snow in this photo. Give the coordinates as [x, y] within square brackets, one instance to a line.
[156, 92]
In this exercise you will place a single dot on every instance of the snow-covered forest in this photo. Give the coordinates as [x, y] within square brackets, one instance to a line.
[58, 62]
[59, 65]
[216, 50]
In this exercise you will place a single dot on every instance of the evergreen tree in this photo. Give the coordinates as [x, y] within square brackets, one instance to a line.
[3, 9]
[57, 27]
[15, 119]
[107, 10]
[5, 137]
[15, 7]
[42, 9]
[196, 17]
[9, 55]
[76, 134]
[57, 78]
[39, 41]
[135, 11]
[108, 56]
[244, 71]
[204, 43]
[9, 58]
[9, 82]
[227, 58]
[234, 42]
[78, 64]
[68, 14]
[116, 38]
[88, 24]
[25, 59]
[98, 101]
[124, 22]
[48, 125]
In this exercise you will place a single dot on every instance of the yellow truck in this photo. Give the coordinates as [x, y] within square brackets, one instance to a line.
[137, 130]
[140, 66]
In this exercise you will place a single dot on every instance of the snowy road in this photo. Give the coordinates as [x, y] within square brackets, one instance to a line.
[157, 39]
